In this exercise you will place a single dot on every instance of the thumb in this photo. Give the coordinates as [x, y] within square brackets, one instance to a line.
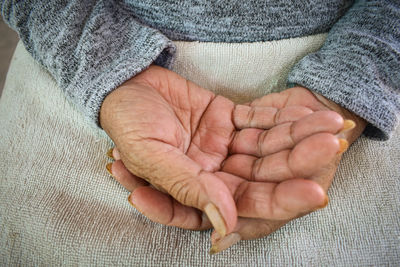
[168, 168]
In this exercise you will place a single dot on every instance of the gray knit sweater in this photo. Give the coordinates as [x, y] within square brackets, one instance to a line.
[92, 46]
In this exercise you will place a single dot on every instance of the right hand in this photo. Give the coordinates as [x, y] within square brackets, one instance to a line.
[176, 136]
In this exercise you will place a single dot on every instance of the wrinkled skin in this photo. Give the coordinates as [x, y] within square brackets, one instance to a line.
[180, 147]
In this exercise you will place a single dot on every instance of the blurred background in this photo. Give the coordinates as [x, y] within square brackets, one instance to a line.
[8, 41]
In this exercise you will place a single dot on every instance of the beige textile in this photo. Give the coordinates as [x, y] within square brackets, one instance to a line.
[58, 206]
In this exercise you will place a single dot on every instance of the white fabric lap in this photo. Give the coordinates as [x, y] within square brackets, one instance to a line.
[58, 206]
[243, 72]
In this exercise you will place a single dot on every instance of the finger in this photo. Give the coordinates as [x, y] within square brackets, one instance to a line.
[156, 205]
[296, 96]
[276, 100]
[266, 117]
[119, 172]
[284, 136]
[275, 201]
[314, 153]
[201, 189]
[162, 208]
[304, 160]
[246, 229]
[116, 154]
[249, 228]
[285, 200]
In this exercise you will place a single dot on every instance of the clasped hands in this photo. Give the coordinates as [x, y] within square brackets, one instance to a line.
[196, 160]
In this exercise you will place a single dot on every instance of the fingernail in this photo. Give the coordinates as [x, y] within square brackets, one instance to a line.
[130, 200]
[108, 167]
[326, 202]
[110, 153]
[343, 145]
[323, 205]
[225, 243]
[348, 125]
[216, 219]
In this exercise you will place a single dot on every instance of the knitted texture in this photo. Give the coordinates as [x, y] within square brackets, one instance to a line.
[91, 47]
[358, 67]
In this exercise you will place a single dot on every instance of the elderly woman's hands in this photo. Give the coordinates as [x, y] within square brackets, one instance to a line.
[184, 141]
[177, 136]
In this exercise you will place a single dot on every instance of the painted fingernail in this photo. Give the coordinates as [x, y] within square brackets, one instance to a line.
[130, 200]
[348, 125]
[110, 153]
[225, 243]
[326, 202]
[108, 168]
[343, 145]
[216, 219]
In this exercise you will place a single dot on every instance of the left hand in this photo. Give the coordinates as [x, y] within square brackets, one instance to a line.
[318, 165]
[249, 228]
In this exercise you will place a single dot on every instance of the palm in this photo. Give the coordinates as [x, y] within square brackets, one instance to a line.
[175, 139]
[155, 122]
[250, 228]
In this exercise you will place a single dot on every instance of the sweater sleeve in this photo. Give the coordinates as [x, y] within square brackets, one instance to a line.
[90, 47]
[358, 67]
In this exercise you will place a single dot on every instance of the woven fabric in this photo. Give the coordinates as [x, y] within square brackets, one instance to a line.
[58, 206]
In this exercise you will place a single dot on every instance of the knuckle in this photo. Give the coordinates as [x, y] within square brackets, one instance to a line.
[277, 117]
[181, 191]
[256, 169]
[262, 139]
[250, 116]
